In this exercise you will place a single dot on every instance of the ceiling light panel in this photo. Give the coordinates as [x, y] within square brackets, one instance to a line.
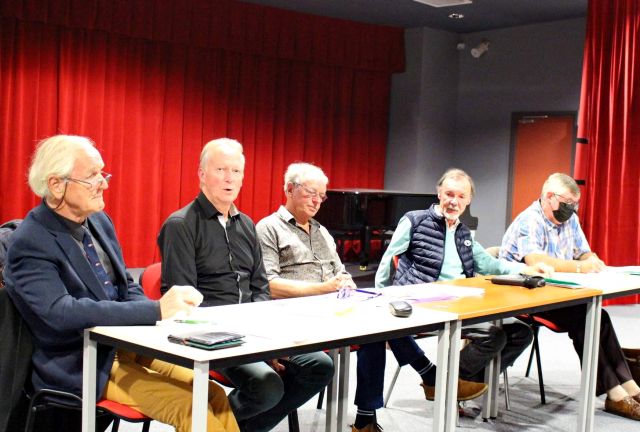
[444, 3]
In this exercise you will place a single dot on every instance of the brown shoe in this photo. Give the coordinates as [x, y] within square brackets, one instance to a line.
[626, 407]
[467, 390]
[371, 427]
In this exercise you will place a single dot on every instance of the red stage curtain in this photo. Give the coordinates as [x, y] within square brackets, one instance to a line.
[610, 123]
[151, 81]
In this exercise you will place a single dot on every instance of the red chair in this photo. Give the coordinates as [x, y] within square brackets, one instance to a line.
[151, 280]
[47, 399]
[535, 322]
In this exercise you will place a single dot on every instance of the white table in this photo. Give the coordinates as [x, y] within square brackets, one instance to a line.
[274, 329]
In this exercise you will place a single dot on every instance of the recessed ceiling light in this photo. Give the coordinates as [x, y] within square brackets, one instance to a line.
[456, 15]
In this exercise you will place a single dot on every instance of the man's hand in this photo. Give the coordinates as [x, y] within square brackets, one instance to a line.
[180, 298]
[593, 264]
[341, 280]
[539, 269]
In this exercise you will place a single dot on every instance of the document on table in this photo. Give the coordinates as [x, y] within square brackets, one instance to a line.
[614, 277]
[430, 292]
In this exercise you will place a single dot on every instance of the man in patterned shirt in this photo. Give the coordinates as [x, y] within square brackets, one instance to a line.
[299, 254]
[549, 232]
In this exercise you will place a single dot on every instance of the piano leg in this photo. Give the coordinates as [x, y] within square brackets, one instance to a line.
[365, 247]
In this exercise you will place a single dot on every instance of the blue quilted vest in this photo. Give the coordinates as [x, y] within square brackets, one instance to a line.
[422, 262]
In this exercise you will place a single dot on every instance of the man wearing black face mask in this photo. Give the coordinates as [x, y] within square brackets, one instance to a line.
[549, 232]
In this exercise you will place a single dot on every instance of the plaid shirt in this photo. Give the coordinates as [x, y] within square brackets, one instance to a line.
[532, 233]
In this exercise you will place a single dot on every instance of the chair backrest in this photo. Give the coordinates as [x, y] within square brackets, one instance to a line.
[151, 280]
[6, 231]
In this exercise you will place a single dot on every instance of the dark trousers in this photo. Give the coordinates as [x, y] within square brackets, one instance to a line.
[486, 342]
[262, 398]
[510, 340]
[612, 366]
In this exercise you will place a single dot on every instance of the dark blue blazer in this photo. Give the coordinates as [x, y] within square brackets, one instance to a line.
[51, 283]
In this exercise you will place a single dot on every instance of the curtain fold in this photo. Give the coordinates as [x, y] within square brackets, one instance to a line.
[151, 81]
[609, 123]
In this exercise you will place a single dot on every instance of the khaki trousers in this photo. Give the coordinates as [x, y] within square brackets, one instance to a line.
[162, 391]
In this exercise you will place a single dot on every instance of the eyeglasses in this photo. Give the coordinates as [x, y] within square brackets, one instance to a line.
[567, 201]
[95, 182]
[312, 193]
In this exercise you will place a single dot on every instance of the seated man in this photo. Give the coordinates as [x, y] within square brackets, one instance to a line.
[434, 245]
[209, 244]
[299, 254]
[65, 273]
[548, 231]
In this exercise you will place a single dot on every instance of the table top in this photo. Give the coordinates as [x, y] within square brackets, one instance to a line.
[501, 301]
[274, 329]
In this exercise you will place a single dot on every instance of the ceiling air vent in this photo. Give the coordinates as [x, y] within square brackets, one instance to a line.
[444, 3]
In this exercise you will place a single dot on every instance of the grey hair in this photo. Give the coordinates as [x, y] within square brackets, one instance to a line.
[455, 173]
[300, 172]
[55, 157]
[219, 143]
[557, 181]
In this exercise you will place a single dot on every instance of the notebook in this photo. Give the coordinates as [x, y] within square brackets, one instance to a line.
[208, 340]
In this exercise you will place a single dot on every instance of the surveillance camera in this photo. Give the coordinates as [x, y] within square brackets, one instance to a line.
[480, 49]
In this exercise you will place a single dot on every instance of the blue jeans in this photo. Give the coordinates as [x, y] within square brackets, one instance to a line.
[486, 342]
[262, 398]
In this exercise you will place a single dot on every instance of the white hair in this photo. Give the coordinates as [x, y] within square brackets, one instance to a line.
[55, 157]
[301, 172]
[227, 143]
[558, 182]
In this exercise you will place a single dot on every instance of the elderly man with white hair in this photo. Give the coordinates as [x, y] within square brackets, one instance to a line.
[299, 254]
[65, 273]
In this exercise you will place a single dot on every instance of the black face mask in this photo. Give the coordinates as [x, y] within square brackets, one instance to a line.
[564, 212]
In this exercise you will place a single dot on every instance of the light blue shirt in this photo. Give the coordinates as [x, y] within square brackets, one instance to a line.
[533, 233]
[483, 263]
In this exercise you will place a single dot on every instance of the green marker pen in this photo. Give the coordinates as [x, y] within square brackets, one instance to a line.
[192, 321]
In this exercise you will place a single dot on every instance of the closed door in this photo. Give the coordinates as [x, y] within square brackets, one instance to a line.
[542, 145]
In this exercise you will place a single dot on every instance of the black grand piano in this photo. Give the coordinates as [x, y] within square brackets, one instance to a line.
[365, 215]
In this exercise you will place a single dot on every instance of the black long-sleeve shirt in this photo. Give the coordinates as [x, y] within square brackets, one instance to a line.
[224, 265]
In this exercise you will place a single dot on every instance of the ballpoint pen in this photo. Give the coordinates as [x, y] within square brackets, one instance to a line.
[368, 292]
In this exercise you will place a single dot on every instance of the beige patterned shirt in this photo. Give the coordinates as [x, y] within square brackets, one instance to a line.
[289, 252]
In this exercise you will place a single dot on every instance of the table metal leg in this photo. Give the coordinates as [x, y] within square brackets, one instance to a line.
[589, 365]
[200, 396]
[439, 410]
[343, 390]
[492, 379]
[451, 397]
[332, 393]
[89, 360]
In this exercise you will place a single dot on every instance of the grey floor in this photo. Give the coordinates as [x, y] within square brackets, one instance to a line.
[408, 411]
